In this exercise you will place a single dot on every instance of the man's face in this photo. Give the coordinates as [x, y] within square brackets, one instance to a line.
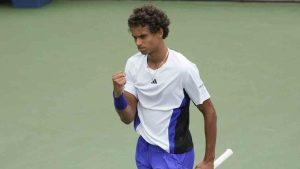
[145, 41]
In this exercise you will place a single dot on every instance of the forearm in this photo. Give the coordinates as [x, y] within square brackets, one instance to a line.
[210, 127]
[125, 106]
[126, 115]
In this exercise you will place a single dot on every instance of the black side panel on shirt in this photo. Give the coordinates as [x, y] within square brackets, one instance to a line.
[183, 138]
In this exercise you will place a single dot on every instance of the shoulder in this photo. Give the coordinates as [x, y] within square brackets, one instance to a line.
[134, 62]
[135, 59]
[181, 62]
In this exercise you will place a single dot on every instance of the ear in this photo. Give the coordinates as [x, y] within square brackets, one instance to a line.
[161, 33]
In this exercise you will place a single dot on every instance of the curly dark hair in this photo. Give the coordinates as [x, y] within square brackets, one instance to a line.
[149, 15]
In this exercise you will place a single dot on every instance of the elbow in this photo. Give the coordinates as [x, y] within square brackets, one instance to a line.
[126, 117]
[126, 121]
[211, 116]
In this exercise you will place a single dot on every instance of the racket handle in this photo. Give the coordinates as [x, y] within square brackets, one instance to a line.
[222, 158]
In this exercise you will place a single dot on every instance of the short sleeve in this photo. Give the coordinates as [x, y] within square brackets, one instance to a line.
[194, 86]
[129, 86]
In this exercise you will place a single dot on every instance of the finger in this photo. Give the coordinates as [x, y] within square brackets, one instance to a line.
[198, 167]
[123, 82]
[117, 75]
[120, 82]
[118, 79]
[118, 72]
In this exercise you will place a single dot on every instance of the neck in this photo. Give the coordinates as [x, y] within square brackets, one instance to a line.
[157, 56]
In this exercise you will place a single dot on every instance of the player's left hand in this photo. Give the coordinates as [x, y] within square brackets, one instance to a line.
[205, 165]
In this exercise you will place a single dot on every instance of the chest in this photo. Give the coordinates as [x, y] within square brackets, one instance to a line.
[162, 83]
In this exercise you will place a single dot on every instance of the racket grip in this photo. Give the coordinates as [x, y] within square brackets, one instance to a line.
[222, 158]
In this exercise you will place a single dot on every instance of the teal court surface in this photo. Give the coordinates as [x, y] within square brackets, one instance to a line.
[56, 63]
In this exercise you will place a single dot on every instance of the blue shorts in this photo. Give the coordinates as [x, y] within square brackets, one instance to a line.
[153, 157]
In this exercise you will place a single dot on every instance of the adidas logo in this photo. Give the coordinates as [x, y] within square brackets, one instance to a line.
[154, 81]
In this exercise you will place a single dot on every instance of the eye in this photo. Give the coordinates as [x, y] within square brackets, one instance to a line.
[143, 36]
[134, 37]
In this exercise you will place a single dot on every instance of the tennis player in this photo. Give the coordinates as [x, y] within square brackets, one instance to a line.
[155, 92]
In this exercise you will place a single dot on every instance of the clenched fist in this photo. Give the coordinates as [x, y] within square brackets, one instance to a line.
[119, 81]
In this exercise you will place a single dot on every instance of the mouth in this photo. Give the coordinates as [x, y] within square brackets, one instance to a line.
[142, 50]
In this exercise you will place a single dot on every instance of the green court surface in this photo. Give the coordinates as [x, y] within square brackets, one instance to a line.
[56, 62]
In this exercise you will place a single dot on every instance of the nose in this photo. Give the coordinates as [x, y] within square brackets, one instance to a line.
[138, 42]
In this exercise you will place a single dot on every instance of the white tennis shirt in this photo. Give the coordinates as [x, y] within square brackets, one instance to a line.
[163, 98]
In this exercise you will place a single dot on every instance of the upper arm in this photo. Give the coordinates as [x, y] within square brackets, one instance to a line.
[129, 87]
[194, 85]
[207, 107]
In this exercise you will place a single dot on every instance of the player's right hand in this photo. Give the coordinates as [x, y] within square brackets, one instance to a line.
[119, 81]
